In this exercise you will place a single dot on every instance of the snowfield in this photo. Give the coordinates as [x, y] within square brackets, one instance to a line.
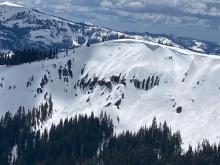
[112, 77]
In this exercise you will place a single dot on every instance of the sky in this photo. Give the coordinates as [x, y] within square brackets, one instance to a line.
[191, 18]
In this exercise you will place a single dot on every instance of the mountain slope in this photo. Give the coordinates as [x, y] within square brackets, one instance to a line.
[182, 42]
[21, 27]
[131, 79]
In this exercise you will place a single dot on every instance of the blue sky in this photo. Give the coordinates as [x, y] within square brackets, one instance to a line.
[193, 18]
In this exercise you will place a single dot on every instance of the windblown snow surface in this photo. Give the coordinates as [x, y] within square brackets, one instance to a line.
[184, 78]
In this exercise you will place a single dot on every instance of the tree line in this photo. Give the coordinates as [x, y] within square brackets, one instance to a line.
[26, 56]
[17, 130]
[90, 140]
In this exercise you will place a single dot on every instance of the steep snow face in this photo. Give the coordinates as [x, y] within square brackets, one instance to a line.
[130, 79]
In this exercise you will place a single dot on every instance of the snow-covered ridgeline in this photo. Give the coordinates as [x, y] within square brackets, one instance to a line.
[131, 79]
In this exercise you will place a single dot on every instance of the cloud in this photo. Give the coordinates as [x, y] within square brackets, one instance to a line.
[160, 11]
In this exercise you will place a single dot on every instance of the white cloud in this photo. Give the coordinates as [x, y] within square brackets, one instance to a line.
[106, 3]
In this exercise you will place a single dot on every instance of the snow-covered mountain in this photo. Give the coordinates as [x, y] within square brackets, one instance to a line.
[140, 76]
[21, 27]
[134, 80]
[182, 42]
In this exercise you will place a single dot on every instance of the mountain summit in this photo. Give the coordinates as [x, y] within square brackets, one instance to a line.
[6, 3]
